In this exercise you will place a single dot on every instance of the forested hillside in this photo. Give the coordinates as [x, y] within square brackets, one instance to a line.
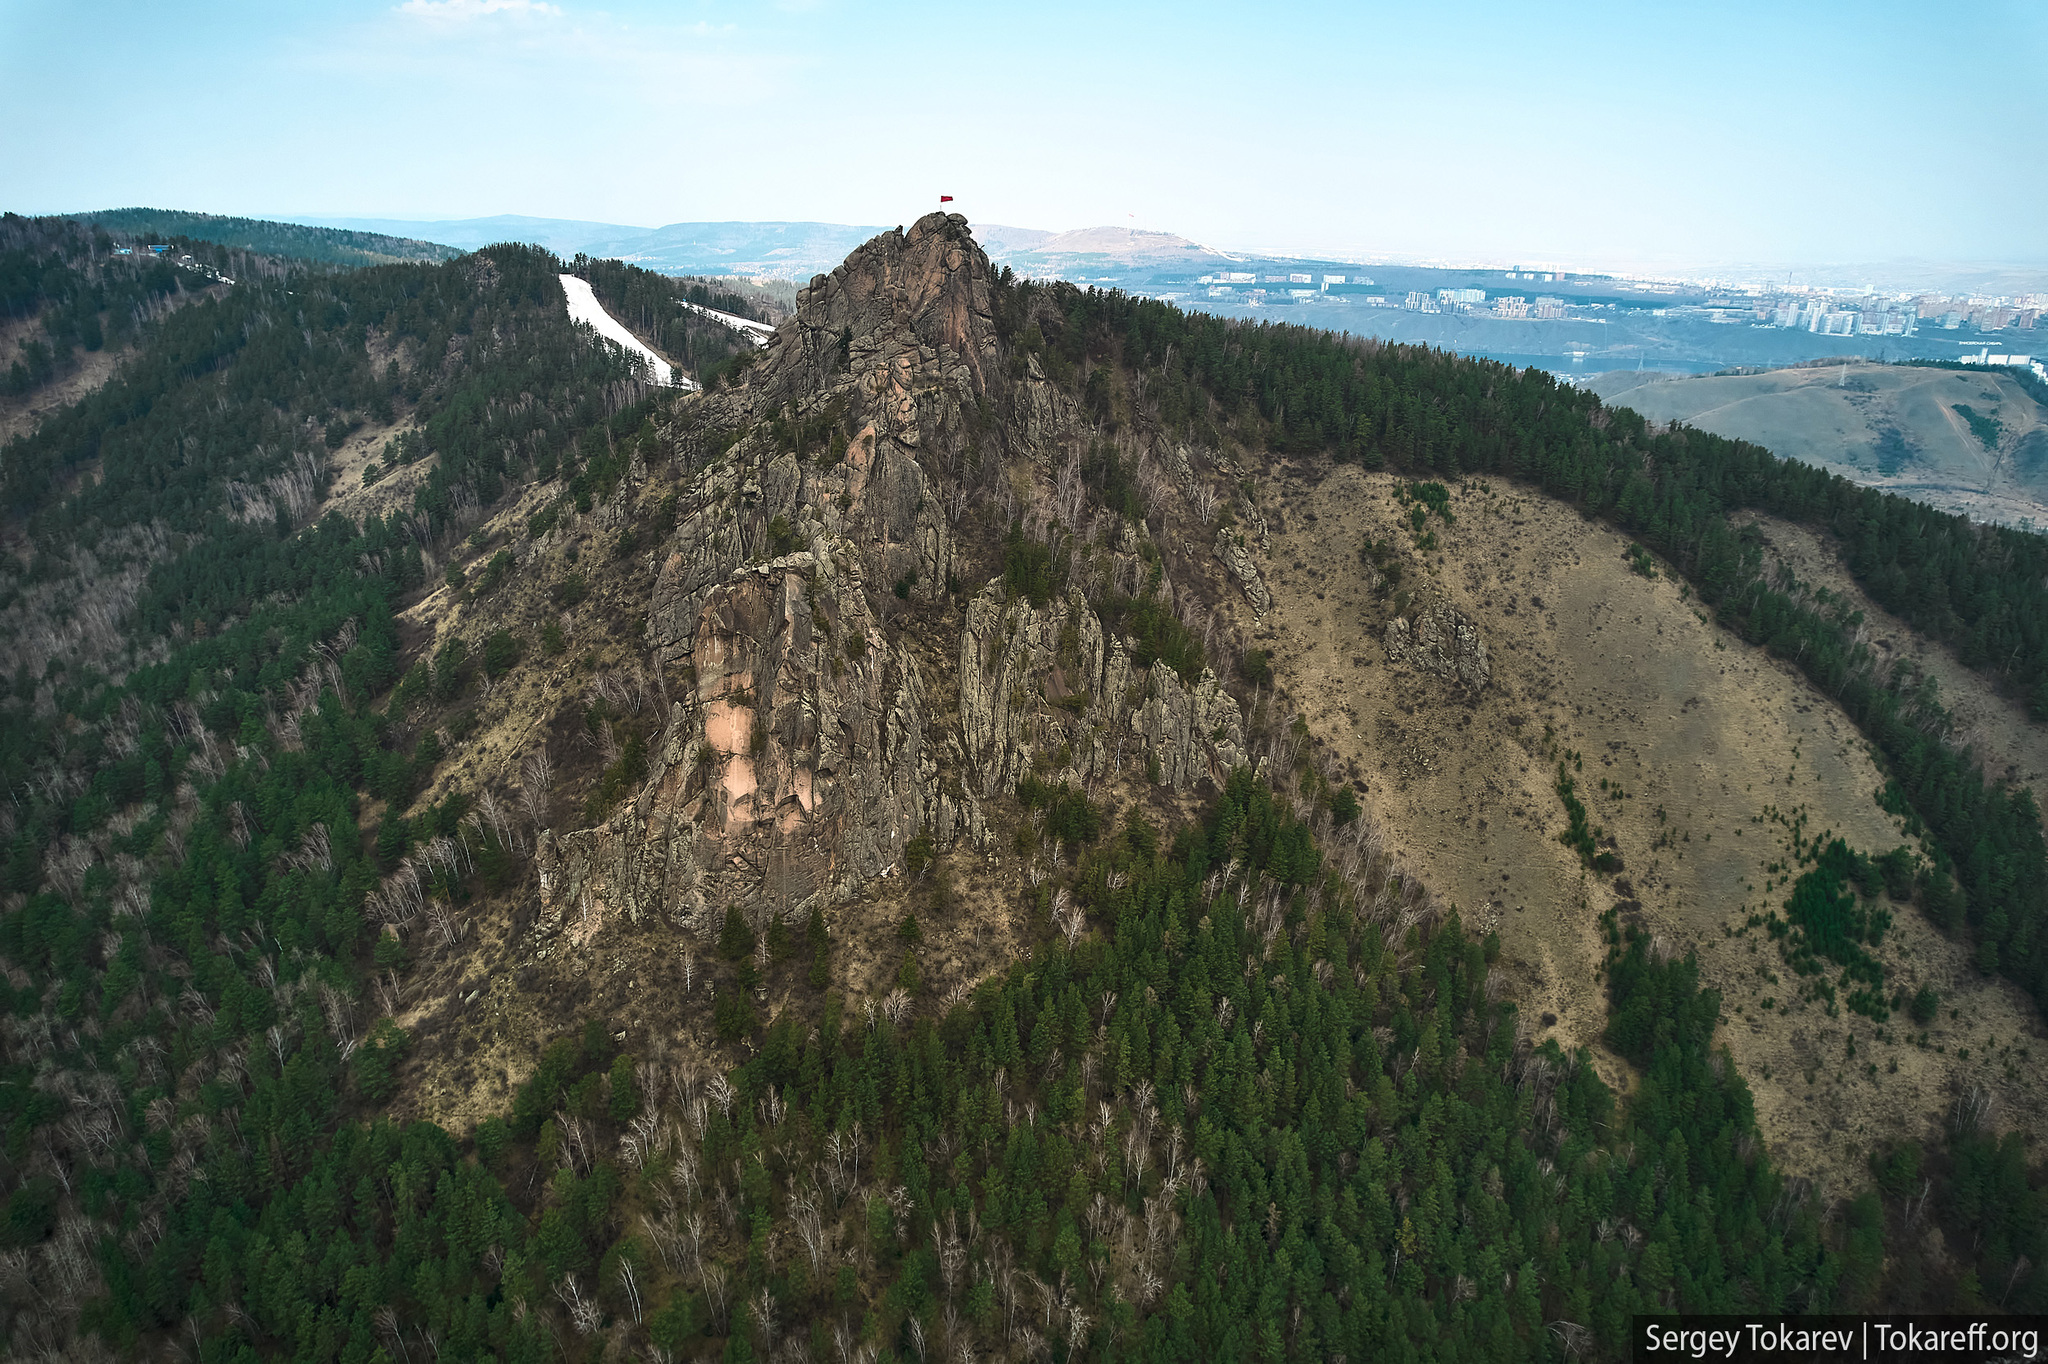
[1128, 1147]
[646, 303]
[66, 292]
[1244, 1091]
[1982, 589]
[293, 241]
[184, 646]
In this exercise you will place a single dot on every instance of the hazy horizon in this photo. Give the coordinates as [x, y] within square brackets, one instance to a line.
[1899, 273]
[1608, 134]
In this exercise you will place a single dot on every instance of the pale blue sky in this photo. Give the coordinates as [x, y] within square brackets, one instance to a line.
[1579, 133]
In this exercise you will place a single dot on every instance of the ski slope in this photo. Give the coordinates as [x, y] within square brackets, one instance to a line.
[584, 307]
[756, 332]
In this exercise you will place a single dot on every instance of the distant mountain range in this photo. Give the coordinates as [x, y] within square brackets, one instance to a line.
[788, 250]
[1068, 254]
[563, 236]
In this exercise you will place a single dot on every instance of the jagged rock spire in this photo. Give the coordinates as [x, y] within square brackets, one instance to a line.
[929, 287]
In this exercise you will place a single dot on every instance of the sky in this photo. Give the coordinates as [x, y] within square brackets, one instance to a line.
[1585, 134]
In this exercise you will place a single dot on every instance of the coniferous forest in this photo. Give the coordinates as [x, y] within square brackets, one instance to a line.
[1226, 1107]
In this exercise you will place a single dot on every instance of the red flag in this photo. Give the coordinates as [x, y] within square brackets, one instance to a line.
[945, 198]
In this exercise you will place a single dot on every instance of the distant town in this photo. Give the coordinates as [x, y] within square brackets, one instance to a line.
[1576, 322]
[1825, 312]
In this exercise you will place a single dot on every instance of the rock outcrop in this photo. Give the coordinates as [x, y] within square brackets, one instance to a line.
[802, 761]
[1442, 641]
[901, 303]
[1230, 548]
[809, 740]
[1194, 730]
[1049, 690]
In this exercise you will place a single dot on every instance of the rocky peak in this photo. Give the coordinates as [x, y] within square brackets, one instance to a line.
[818, 732]
[925, 290]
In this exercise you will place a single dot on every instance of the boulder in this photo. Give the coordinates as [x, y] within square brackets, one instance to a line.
[1442, 641]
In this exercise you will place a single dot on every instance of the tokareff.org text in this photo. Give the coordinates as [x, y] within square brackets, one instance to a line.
[1884, 1340]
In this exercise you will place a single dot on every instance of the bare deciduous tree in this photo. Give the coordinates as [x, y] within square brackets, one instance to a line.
[630, 1282]
[536, 783]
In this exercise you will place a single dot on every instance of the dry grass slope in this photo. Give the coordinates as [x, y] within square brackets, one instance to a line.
[2011, 746]
[1705, 735]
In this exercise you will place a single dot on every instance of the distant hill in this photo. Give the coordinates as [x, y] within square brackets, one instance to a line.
[1970, 441]
[563, 236]
[1066, 253]
[1001, 242]
[329, 246]
[793, 251]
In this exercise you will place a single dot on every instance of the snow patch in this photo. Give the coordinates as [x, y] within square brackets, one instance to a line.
[756, 332]
[584, 307]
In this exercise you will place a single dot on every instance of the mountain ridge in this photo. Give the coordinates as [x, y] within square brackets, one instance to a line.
[898, 797]
[325, 244]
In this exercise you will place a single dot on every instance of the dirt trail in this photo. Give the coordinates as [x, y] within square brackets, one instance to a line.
[1704, 735]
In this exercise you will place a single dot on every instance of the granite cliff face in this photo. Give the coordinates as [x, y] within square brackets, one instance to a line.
[820, 717]
[1018, 664]
[903, 308]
